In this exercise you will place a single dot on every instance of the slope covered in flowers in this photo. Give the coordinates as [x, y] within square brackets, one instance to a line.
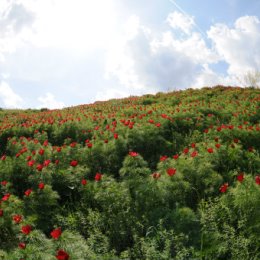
[165, 176]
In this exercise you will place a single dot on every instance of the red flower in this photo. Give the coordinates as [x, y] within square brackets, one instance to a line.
[175, 157]
[28, 192]
[217, 146]
[31, 163]
[45, 143]
[17, 218]
[257, 180]
[210, 150]
[98, 177]
[193, 145]
[163, 158]
[223, 188]
[186, 150]
[89, 145]
[115, 135]
[26, 229]
[240, 177]
[3, 158]
[22, 245]
[83, 182]
[46, 163]
[6, 197]
[56, 233]
[156, 175]
[194, 154]
[41, 186]
[74, 163]
[1, 212]
[62, 255]
[41, 151]
[133, 154]
[171, 171]
[39, 167]
[3, 183]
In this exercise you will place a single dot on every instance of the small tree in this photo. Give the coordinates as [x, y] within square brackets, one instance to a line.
[252, 78]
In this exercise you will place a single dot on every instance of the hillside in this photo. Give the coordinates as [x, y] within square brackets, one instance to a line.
[167, 176]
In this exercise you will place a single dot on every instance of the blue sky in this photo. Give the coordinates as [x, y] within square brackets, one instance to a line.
[63, 53]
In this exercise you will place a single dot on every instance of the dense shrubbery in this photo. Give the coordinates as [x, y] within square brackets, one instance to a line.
[170, 176]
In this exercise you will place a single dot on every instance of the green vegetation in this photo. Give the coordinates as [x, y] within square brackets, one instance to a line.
[165, 176]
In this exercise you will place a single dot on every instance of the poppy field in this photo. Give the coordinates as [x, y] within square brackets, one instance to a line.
[168, 176]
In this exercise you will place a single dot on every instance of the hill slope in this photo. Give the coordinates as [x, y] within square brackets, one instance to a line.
[165, 176]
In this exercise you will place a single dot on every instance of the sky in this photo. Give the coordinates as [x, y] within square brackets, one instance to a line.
[61, 53]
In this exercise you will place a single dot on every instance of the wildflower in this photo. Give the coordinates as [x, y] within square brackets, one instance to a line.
[22, 245]
[210, 150]
[28, 192]
[56, 233]
[62, 255]
[74, 163]
[41, 186]
[223, 188]
[98, 177]
[257, 180]
[26, 229]
[133, 154]
[171, 171]
[17, 218]
[83, 182]
[240, 177]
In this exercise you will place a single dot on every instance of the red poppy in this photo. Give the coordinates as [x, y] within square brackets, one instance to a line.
[194, 154]
[6, 197]
[31, 163]
[223, 188]
[62, 255]
[133, 154]
[193, 145]
[257, 180]
[171, 171]
[210, 150]
[98, 177]
[89, 145]
[83, 182]
[39, 167]
[41, 186]
[163, 158]
[185, 150]
[240, 177]
[28, 192]
[74, 163]
[156, 175]
[217, 146]
[22, 245]
[26, 229]
[17, 218]
[3, 158]
[175, 157]
[56, 233]
[41, 151]
[46, 163]
[3, 183]
[115, 135]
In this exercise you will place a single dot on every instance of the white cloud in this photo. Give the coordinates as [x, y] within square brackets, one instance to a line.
[8, 97]
[148, 62]
[110, 94]
[49, 101]
[208, 78]
[181, 21]
[238, 46]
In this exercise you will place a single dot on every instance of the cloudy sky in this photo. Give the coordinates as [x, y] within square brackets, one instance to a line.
[60, 53]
